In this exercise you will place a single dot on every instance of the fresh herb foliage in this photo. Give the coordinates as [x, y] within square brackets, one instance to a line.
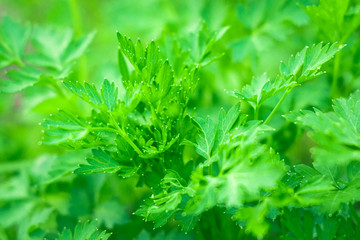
[157, 149]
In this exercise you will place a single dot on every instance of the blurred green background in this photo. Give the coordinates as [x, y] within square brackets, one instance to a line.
[261, 33]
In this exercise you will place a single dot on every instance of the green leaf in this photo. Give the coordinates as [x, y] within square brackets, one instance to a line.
[333, 201]
[315, 57]
[261, 89]
[52, 52]
[349, 111]
[127, 47]
[165, 78]
[299, 223]
[13, 40]
[264, 25]
[243, 182]
[50, 43]
[225, 124]
[140, 54]
[101, 162]
[306, 64]
[77, 48]
[15, 188]
[254, 92]
[312, 188]
[294, 65]
[14, 211]
[188, 222]
[321, 192]
[111, 213]
[161, 209]
[328, 228]
[329, 16]
[152, 57]
[109, 93]
[255, 218]
[19, 80]
[206, 194]
[87, 92]
[206, 139]
[48, 168]
[85, 231]
[203, 45]
[336, 133]
[124, 71]
[306, 171]
[302, 67]
[93, 94]
[38, 217]
[57, 48]
[63, 127]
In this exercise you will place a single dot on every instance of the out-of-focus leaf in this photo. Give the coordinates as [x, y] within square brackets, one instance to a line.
[85, 231]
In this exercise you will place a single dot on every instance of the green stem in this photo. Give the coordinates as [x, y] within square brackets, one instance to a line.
[118, 130]
[125, 136]
[256, 113]
[277, 105]
[76, 18]
[57, 88]
[75, 14]
[104, 129]
[334, 85]
[211, 169]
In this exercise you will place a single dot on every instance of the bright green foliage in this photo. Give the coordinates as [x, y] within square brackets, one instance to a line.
[303, 225]
[306, 64]
[334, 18]
[302, 67]
[53, 52]
[203, 45]
[102, 162]
[64, 127]
[13, 41]
[228, 177]
[267, 22]
[140, 140]
[337, 133]
[205, 142]
[336, 156]
[85, 231]
[105, 101]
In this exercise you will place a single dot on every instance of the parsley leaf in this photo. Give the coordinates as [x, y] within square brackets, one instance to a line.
[85, 231]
